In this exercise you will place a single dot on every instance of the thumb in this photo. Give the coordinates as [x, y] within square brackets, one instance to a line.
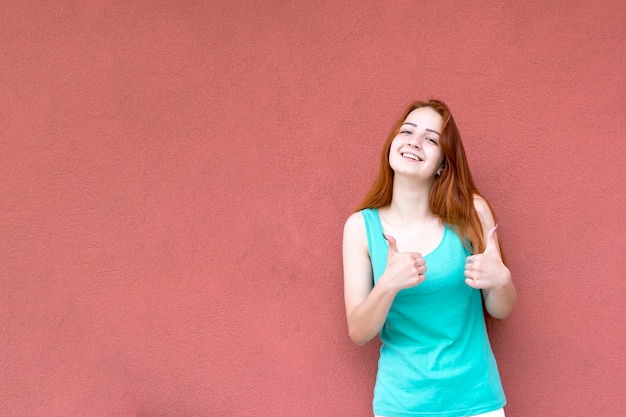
[393, 246]
[491, 239]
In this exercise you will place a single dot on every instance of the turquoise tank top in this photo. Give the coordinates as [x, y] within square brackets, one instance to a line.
[435, 358]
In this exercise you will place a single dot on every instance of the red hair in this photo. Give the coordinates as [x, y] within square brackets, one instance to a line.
[452, 193]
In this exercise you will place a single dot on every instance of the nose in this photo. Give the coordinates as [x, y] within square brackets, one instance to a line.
[415, 142]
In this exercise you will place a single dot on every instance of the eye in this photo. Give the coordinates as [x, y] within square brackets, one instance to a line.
[432, 140]
[405, 132]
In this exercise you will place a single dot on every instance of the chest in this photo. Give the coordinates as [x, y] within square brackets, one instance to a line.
[423, 239]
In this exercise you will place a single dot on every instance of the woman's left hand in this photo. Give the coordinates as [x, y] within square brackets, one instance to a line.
[486, 270]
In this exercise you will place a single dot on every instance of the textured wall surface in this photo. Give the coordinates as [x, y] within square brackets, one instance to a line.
[174, 178]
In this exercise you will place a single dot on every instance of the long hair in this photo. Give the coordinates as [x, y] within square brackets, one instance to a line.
[452, 193]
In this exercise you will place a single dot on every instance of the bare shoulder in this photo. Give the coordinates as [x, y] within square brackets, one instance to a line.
[355, 223]
[480, 204]
[484, 210]
[357, 269]
[354, 231]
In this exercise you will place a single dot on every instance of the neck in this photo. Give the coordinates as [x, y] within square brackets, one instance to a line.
[410, 202]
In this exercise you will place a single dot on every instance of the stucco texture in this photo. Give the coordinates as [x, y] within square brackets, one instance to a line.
[174, 178]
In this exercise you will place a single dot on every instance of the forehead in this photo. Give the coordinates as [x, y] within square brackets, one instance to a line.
[425, 117]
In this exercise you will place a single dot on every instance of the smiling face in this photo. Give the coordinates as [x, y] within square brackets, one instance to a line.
[416, 149]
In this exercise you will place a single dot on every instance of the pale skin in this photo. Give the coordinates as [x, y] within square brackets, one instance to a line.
[412, 230]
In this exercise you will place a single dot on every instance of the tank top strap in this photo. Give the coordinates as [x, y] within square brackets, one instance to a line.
[377, 245]
[372, 224]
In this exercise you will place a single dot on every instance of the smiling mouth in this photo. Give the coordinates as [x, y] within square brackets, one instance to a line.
[412, 156]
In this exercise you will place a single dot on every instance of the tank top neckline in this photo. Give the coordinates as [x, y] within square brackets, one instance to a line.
[443, 238]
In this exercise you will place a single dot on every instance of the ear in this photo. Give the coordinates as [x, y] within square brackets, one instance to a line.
[439, 171]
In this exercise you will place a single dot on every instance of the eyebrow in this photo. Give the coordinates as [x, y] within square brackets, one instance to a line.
[426, 129]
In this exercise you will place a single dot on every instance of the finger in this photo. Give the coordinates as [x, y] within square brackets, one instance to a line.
[474, 263]
[471, 283]
[470, 263]
[393, 246]
[418, 268]
[470, 273]
[419, 261]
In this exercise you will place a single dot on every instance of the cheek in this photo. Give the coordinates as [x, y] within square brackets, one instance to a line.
[394, 158]
[393, 148]
[437, 155]
[395, 144]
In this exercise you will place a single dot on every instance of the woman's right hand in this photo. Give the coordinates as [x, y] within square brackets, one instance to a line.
[404, 269]
[368, 304]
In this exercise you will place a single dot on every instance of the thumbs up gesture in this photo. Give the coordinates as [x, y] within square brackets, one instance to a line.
[486, 270]
[404, 269]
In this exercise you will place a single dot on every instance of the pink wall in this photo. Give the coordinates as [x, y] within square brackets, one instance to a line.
[174, 181]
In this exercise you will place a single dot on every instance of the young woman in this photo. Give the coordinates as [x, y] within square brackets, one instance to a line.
[421, 264]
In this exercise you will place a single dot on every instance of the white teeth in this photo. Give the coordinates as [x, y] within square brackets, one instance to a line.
[411, 156]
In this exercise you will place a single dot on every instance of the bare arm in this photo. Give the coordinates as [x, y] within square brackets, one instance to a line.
[488, 272]
[367, 305]
[366, 308]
